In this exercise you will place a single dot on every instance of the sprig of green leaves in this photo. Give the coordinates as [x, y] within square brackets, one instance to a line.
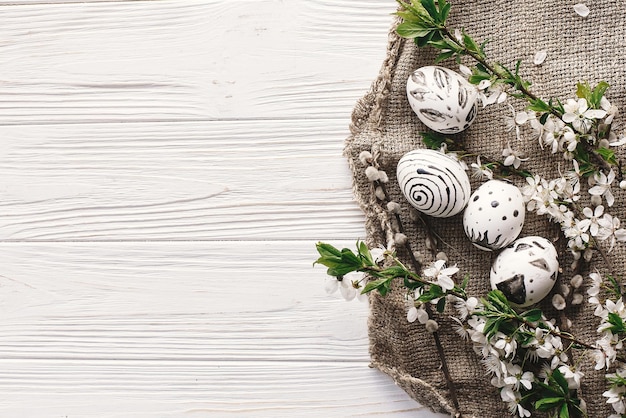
[344, 261]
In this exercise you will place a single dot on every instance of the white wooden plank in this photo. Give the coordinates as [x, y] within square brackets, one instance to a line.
[187, 59]
[200, 389]
[174, 301]
[134, 329]
[279, 179]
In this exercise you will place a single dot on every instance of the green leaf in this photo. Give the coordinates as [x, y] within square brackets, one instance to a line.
[365, 253]
[583, 91]
[433, 293]
[470, 44]
[444, 56]
[408, 16]
[327, 250]
[444, 10]
[617, 323]
[430, 7]
[561, 381]
[382, 285]
[608, 155]
[412, 284]
[492, 326]
[546, 404]
[539, 105]
[424, 40]
[532, 315]
[413, 30]
[433, 140]
[564, 413]
[499, 301]
[598, 93]
[441, 305]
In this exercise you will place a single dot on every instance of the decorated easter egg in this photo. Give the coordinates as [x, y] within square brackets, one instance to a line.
[525, 271]
[442, 99]
[433, 182]
[494, 216]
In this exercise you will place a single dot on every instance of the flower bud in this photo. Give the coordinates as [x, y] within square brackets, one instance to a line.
[382, 176]
[576, 281]
[431, 325]
[365, 157]
[393, 207]
[372, 173]
[558, 302]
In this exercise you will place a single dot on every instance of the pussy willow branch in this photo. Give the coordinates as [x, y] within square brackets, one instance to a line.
[418, 266]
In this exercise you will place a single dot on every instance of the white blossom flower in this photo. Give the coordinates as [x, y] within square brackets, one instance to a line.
[350, 286]
[603, 186]
[441, 273]
[466, 307]
[577, 235]
[492, 95]
[572, 376]
[577, 113]
[615, 397]
[512, 158]
[460, 328]
[610, 109]
[517, 377]
[505, 343]
[610, 230]
[515, 121]
[619, 141]
[593, 217]
[479, 170]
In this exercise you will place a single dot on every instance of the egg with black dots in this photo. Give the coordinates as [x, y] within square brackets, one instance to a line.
[494, 216]
[525, 271]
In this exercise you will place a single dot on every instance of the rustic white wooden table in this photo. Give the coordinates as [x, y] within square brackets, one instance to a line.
[166, 168]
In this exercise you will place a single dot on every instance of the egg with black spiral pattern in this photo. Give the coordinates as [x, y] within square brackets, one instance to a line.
[442, 99]
[526, 270]
[433, 182]
[495, 215]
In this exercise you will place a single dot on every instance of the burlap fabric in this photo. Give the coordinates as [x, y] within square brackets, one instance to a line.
[579, 49]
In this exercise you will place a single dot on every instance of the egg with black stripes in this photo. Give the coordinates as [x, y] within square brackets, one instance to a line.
[525, 271]
[434, 183]
[442, 99]
[495, 215]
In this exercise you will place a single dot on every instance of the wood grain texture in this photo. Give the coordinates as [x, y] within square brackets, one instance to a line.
[137, 329]
[276, 179]
[187, 60]
[167, 167]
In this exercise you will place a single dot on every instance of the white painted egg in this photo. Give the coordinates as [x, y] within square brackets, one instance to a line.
[495, 215]
[442, 99]
[433, 182]
[526, 271]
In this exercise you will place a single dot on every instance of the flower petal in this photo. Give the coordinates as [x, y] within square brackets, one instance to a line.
[445, 282]
[581, 9]
[540, 57]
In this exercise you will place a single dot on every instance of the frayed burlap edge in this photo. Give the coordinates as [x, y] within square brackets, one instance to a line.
[369, 113]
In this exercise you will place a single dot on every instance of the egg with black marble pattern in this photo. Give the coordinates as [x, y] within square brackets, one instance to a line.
[442, 99]
[525, 271]
[495, 215]
[434, 183]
